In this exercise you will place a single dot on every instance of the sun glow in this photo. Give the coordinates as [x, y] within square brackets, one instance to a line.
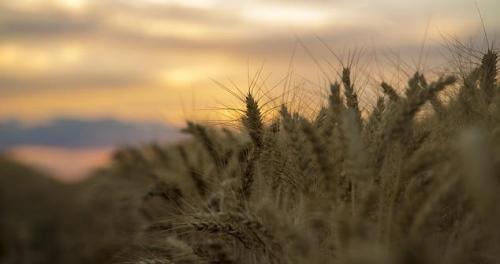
[74, 5]
[296, 15]
[185, 76]
[165, 27]
[21, 58]
[178, 77]
[183, 3]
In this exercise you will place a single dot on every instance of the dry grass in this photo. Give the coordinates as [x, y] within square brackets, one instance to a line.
[397, 185]
[391, 187]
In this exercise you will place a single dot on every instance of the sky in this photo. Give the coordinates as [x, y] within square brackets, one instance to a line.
[160, 60]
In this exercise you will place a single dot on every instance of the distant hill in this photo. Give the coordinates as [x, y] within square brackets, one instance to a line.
[76, 133]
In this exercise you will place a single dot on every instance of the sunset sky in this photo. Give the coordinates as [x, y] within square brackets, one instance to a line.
[150, 59]
[155, 60]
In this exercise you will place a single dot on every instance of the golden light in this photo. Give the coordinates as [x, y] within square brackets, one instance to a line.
[22, 58]
[178, 77]
[71, 54]
[283, 15]
[73, 5]
[187, 75]
[14, 58]
[184, 3]
[167, 27]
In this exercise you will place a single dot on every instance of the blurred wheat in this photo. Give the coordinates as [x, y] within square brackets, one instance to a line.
[388, 187]
[395, 185]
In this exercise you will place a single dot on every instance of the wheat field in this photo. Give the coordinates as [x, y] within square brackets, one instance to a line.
[413, 180]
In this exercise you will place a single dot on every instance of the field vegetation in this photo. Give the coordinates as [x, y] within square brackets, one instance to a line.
[415, 179]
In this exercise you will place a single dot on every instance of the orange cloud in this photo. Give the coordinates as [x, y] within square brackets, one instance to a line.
[144, 59]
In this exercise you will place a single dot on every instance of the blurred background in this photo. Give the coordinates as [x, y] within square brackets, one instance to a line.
[80, 77]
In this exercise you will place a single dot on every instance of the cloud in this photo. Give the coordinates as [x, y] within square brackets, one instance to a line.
[70, 80]
[45, 22]
[87, 46]
[75, 133]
